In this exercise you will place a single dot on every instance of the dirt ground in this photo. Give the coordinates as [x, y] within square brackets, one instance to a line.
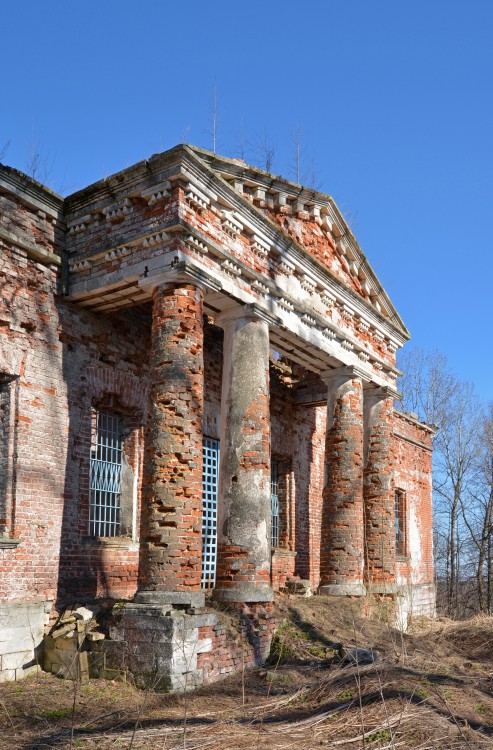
[431, 688]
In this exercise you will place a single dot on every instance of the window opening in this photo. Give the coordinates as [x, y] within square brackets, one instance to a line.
[210, 483]
[4, 453]
[7, 454]
[400, 522]
[274, 501]
[105, 474]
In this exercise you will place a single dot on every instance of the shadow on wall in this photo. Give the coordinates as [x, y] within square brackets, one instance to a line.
[105, 363]
[308, 466]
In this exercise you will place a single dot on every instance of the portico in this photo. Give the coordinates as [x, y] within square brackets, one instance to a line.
[356, 550]
[196, 413]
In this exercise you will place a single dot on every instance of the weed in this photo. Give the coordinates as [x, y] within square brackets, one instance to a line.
[480, 709]
[58, 713]
[346, 694]
[422, 692]
[381, 735]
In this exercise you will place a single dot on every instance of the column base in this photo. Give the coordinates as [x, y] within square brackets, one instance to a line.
[159, 598]
[244, 593]
[156, 647]
[342, 589]
[382, 588]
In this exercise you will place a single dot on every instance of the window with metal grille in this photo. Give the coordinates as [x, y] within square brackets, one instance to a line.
[5, 410]
[274, 502]
[210, 481]
[105, 474]
[400, 522]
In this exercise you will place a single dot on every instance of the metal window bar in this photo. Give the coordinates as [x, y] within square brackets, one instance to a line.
[274, 502]
[105, 474]
[210, 482]
[400, 525]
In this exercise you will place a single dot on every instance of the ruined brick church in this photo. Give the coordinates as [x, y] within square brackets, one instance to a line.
[197, 384]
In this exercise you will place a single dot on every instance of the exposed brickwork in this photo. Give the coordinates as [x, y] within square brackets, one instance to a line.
[283, 567]
[308, 469]
[413, 443]
[64, 356]
[378, 492]
[342, 547]
[213, 376]
[242, 640]
[171, 557]
[320, 242]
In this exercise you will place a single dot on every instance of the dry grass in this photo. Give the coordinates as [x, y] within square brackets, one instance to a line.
[431, 689]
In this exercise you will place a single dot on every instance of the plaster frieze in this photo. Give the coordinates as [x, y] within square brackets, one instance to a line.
[259, 245]
[196, 245]
[158, 238]
[196, 198]
[119, 210]
[80, 225]
[308, 283]
[230, 224]
[261, 287]
[157, 192]
[231, 268]
[309, 319]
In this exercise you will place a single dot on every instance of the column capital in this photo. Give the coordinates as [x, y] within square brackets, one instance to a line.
[181, 274]
[381, 392]
[344, 373]
[243, 312]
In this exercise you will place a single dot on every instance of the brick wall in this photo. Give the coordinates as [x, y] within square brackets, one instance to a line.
[238, 641]
[308, 469]
[283, 567]
[412, 444]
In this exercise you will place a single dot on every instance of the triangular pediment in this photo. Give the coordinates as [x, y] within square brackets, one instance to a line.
[311, 221]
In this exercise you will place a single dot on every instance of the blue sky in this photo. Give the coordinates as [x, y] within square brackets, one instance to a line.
[394, 101]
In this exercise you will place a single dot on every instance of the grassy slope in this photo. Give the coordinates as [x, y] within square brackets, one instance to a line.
[431, 689]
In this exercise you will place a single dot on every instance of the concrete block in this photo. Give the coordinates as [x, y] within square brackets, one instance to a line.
[192, 598]
[15, 661]
[7, 675]
[204, 646]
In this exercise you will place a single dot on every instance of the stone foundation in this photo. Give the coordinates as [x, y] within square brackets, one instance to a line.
[415, 601]
[22, 628]
[173, 649]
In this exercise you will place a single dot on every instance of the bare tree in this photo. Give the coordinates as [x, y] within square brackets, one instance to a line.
[4, 149]
[241, 141]
[299, 153]
[266, 153]
[214, 118]
[478, 515]
[39, 163]
[432, 391]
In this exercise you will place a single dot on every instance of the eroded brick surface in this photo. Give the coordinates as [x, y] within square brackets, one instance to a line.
[61, 359]
[171, 543]
[342, 546]
[380, 542]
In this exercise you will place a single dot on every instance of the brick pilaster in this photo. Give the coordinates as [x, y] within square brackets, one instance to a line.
[243, 567]
[379, 511]
[341, 555]
[170, 551]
